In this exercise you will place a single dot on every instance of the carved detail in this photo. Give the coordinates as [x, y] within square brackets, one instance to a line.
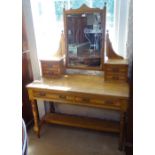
[109, 49]
[62, 97]
[84, 6]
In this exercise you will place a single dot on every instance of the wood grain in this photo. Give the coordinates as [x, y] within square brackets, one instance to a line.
[83, 122]
[87, 84]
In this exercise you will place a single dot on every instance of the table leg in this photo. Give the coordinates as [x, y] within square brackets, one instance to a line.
[122, 125]
[35, 116]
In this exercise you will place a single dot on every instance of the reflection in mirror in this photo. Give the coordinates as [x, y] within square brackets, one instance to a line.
[84, 38]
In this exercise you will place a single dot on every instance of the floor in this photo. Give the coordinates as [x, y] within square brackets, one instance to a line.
[62, 140]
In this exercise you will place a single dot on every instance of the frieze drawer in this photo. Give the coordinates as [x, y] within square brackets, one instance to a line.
[75, 99]
[42, 94]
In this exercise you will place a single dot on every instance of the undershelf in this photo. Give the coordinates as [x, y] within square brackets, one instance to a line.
[83, 122]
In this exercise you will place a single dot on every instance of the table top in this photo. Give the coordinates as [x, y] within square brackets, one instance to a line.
[90, 84]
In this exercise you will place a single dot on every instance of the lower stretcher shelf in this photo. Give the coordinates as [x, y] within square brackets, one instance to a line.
[83, 122]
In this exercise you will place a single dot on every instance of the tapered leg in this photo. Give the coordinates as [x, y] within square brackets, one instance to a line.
[122, 126]
[35, 116]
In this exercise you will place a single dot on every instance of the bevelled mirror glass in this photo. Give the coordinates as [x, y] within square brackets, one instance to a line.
[84, 37]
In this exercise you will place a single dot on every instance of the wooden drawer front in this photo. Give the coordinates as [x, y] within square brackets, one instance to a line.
[74, 99]
[42, 94]
[49, 73]
[116, 69]
[50, 65]
[60, 97]
[116, 77]
[106, 102]
[51, 68]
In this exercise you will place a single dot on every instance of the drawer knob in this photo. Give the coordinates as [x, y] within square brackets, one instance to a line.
[62, 96]
[86, 99]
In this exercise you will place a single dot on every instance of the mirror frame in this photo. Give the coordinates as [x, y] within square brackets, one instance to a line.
[82, 10]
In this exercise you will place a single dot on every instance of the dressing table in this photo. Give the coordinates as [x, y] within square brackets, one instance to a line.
[83, 89]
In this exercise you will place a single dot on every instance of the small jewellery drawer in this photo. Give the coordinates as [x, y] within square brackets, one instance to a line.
[116, 73]
[116, 70]
[52, 68]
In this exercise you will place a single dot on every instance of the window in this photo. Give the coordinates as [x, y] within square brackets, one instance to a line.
[48, 21]
[74, 4]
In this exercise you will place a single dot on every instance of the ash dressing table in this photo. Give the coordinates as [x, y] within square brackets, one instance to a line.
[84, 90]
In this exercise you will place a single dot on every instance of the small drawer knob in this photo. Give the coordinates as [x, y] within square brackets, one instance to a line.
[62, 96]
[86, 99]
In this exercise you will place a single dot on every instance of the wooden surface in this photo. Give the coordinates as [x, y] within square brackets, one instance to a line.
[83, 90]
[83, 122]
[88, 84]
